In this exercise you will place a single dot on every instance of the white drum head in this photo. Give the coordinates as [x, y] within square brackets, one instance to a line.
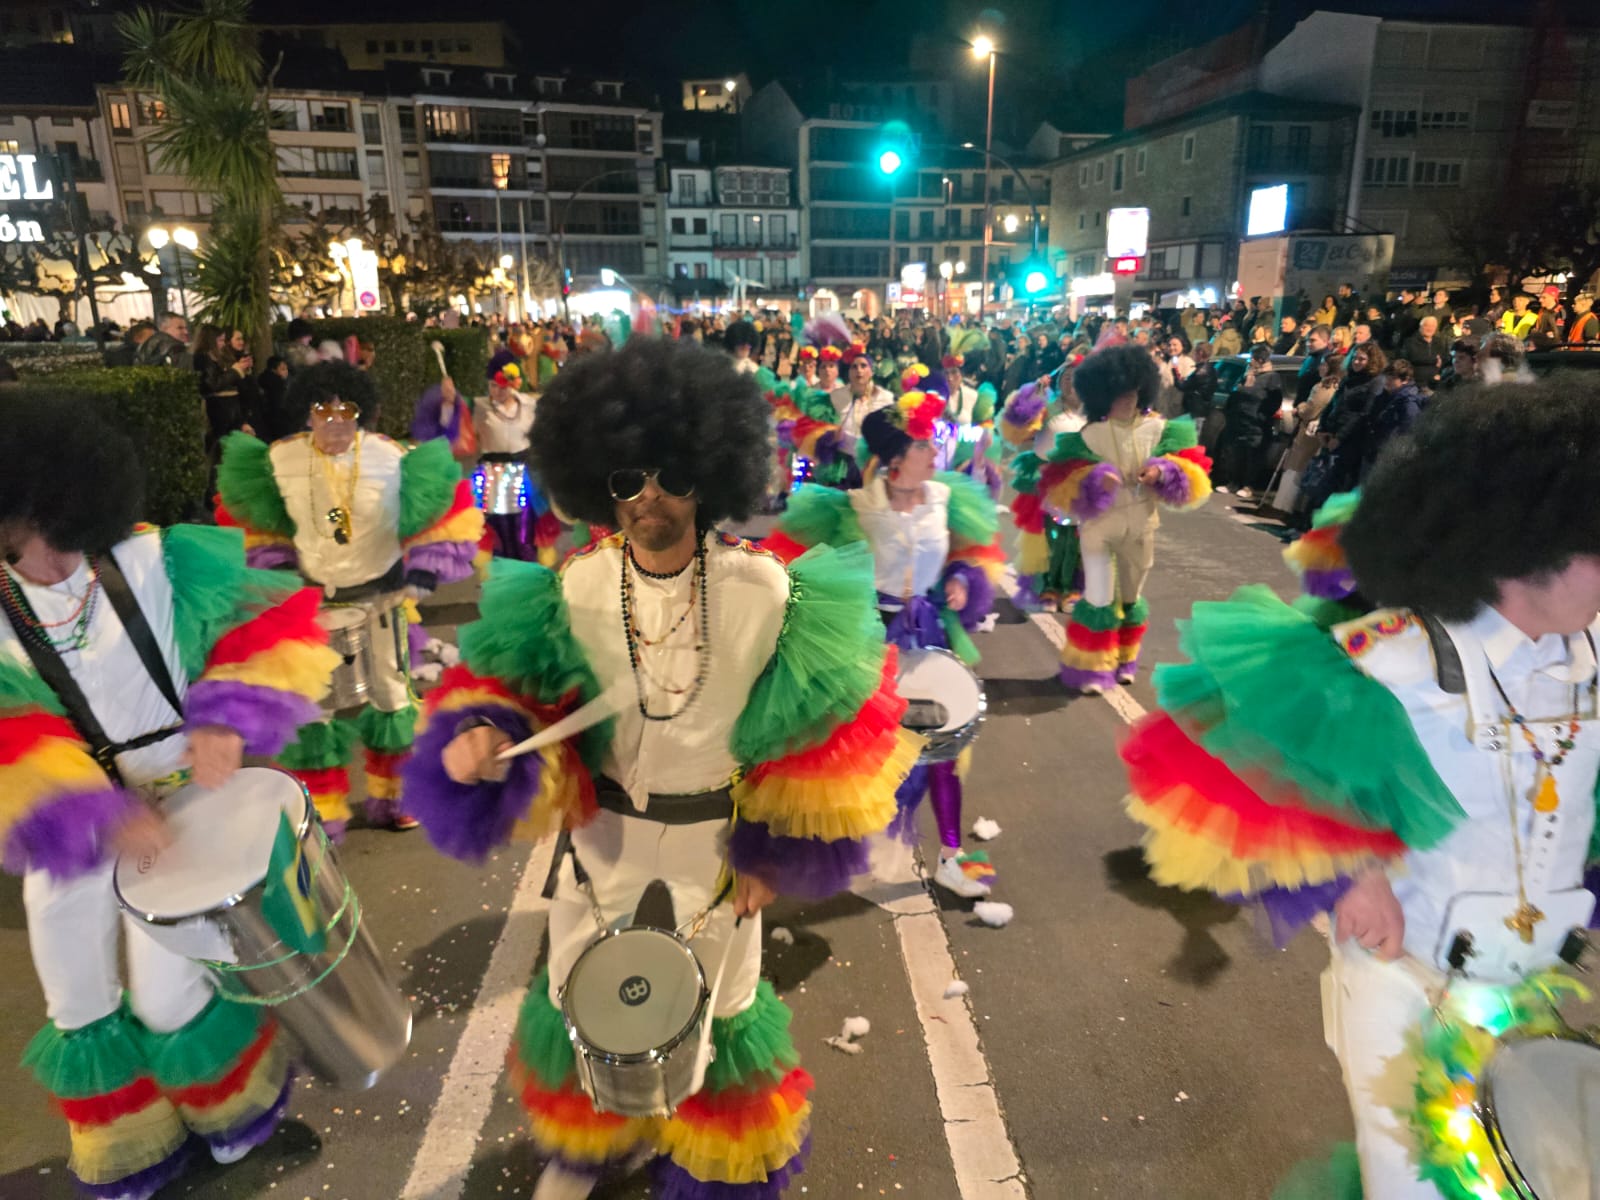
[221, 843]
[1544, 1101]
[633, 991]
[343, 617]
[940, 676]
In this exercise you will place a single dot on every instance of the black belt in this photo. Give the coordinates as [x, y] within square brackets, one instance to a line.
[391, 580]
[668, 809]
[497, 457]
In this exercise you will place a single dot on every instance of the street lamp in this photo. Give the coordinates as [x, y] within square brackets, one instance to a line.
[1011, 222]
[182, 238]
[983, 47]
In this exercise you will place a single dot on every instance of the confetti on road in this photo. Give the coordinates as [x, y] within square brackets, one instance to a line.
[844, 1044]
[781, 934]
[954, 988]
[993, 913]
[985, 830]
[856, 1027]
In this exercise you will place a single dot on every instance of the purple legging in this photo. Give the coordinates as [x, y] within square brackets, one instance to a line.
[943, 788]
[514, 533]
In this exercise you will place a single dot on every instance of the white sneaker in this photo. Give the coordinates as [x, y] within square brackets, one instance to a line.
[1092, 689]
[558, 1183]
[1245, 494]
[229, 1155]
[1222, 490]
[952, 878]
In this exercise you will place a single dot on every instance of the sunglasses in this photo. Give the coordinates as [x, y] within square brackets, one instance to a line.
[335, 410]
[628, 483]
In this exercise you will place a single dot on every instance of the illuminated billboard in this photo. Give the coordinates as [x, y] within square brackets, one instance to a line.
[1127, 232]
[1269, 210]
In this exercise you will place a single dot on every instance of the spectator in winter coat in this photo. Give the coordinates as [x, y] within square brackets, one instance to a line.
[1344, 424]
[1584, 326]
[1199, 393]
[1404, 316]
[1394, 410]
[1327, 314]
[1361, 336]
[1227, 340]
[1427, 351]
[1288, 341]
[1443, 312]
[1318, 342]
[1247, 426]
[1550, 325]
[1463, 368]
[1347, 304]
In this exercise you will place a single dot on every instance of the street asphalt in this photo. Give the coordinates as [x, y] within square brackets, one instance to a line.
[1143, 1043]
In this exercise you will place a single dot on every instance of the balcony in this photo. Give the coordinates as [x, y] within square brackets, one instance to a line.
[491, 136]
[316, 173]
[738, 241]
[1293, 160]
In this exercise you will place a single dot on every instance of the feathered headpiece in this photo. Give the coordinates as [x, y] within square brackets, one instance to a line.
[951, 361]
[831, 354]
[912, 377]
[915, 413]
[508, 376]
[808, 354]
[854, 351]
[826, 330]
[968, 341]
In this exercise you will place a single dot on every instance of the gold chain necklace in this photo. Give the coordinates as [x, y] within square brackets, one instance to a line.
[340, 517]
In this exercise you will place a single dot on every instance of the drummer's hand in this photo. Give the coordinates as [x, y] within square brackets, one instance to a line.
[470, 756]
[1150, 476]
[142, 833]
[750, 896]
[215, 753]
[955, 593]
[1369, 913]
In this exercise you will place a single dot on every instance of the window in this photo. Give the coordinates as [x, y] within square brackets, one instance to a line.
[699, 226]
[728, 229]
[427, 45]
[128, 160]
[752, 230]
[1298, 157]
[679, 225]
[411, 168]
[121, 118]
[1100, 170]
[1116, 171]
[406, 115]
[686, 189]
[372, 46]
[1188, 147]
[1438, 173]
[408, 46]
[1184, 207]
[1394, 122]
[1446, 119]
[377, 177]
[1083, 175]
[680, 270]
[390, 46]
[700, 270]
[434, 77]
[152, 111]
[61, 122]
[925, 223]
[371, 125]
[1097, 220]
[1082, 220]
[1258, 147]
[778, 228]
[1138, 161]
[133, 205]
[902, 226]
[1393, 170]
[780, 271]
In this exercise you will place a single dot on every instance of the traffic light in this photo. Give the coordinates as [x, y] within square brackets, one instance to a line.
[896, 148]
[1035, 282]
[566, 283]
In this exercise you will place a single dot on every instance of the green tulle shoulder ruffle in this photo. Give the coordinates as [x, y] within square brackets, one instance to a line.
[814, 403]
[205, 1049]
[387, 733]
[1336, 510]
[1180, 434]
[94, 1060]
[428, 478]
[829, 658]
[973, 517]
[524, 637]
[987, 403]
[820, 516]
[1025, 472]
[1268, 690]
[320, 745]
[1070, 447]
[213, 591]
[753, 1047]
[248, 487]
[541, 1043]
[20, 686]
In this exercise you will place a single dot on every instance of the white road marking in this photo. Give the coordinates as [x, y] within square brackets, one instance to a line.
[1120, 699]
[444, 1158]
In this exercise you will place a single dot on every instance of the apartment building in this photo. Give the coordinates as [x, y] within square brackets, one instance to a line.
[370, 46]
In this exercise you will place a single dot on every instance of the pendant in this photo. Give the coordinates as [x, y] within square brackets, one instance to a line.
[1546, 799]
[339, 518]
[1523, 920]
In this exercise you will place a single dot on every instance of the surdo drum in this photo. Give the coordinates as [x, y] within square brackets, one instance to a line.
[347, 636]
[945, 702]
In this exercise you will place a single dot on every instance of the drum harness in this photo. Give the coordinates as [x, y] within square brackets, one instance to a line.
[47, 661]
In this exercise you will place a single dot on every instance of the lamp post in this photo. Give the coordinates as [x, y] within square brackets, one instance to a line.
[983, 47]
[561, 227]
[182, 238]
[500, 165]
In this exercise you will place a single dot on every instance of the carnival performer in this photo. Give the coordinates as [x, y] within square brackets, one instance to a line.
[936, 556]
[828, 335]
[132, 660]
[970, 446]
[1427, 772]
[502, 482]
[1035, 416]
[757, 739]
[740, 340]
[1110, 477]
[806, 366]
[442, 412]
[372, 526]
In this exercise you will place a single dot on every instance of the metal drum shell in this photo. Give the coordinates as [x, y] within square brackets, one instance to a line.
[946, 745]
[505, 487]
[350, 639]
[1491, 1104]
[651, 1083]
[353, 1023]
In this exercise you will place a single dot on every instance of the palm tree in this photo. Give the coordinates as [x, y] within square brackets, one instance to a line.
[204, 65]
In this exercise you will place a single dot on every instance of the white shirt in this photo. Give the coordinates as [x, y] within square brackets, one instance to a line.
[962, 405]
[500, 432]
[852, 412]
[909, 549]
[120, 692]
[748, 591]
[1066, 422]
[1127, 444]
[1182, 367]
[303, 473]
[1456, 733]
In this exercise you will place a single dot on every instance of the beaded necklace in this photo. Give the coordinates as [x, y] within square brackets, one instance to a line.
[636, 638]
[79, 620]
[340, 517]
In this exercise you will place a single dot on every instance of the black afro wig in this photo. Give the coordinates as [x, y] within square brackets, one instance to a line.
[1493, 484]
[325, 380]
[1112, 372]
[68, 473]
[655, 404]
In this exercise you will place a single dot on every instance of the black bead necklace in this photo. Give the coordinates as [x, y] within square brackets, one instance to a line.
[702, 643]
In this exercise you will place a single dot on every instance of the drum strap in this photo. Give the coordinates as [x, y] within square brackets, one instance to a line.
[47, 661]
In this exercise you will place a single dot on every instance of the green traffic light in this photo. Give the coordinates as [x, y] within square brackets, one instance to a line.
[889, 161]
[1036, 281]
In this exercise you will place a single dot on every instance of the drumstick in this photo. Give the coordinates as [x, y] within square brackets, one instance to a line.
[438, 352]
[606, 704]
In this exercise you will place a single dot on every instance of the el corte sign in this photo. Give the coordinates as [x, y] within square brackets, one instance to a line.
[19, 180]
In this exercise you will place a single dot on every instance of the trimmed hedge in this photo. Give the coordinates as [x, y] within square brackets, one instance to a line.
[399, 364]
[466, 353]
[159, 408]
[47, 358]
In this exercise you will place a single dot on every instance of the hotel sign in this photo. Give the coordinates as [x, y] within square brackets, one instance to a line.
[20, 180]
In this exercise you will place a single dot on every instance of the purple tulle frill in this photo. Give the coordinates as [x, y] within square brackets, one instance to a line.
[265, 717]
[1097, 491]
[467, 820]
[916, 625]
[672, 1182]
[1026, 405]
[907, 798]
[448, 562]
[1172, 486]
[1077, 678]
[1289, 910]
[257, 1129]
[807, 868]
[425, 425]
[1336, 584]
[148, 1181]
[67, 836]
[271, 556]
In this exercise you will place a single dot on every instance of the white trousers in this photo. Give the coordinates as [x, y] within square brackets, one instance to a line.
[622, 856]
[1119, 548]
[1368, 1008]
[72, 931]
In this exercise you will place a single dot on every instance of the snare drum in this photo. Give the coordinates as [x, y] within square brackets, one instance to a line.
[502, 486]
[634, 1006]
[1541, 1110]
[201, 897]
[945, 702]
[347, 636]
